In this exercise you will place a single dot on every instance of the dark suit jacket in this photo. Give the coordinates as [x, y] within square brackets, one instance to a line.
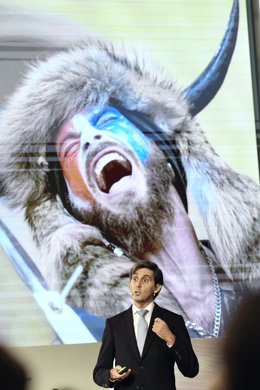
[154, 370]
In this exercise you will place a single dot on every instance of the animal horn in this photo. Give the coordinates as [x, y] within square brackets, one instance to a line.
[205, 87]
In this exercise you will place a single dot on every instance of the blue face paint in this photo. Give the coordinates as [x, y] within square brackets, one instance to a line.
[109, 119]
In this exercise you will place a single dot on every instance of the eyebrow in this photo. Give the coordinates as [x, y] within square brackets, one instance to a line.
[70, 134]
[143, 275]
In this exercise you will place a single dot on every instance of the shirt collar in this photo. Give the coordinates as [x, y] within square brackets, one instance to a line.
[148, 307]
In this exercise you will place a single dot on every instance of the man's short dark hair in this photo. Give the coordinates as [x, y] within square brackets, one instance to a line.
[158, 275]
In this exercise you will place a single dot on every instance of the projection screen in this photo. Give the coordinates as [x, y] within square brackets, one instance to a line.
[68, 239]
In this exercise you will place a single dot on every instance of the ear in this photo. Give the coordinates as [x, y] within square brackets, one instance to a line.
[157, 288]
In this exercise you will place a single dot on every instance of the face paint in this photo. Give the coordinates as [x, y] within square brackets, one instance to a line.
[109, 119]
[84, 130]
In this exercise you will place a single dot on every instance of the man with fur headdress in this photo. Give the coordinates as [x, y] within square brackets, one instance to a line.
[97, 149]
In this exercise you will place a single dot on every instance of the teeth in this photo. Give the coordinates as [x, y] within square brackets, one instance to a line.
[110, 170]
[105, 160]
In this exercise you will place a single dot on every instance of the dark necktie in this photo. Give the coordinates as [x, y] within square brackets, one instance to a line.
[141, 329]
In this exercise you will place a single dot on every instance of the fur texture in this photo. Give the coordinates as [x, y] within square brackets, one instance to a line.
[56, 89]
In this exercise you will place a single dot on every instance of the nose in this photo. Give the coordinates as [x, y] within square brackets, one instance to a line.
[137, 283]
[90, 135]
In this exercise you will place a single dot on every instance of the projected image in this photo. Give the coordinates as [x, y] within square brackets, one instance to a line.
[106, 157]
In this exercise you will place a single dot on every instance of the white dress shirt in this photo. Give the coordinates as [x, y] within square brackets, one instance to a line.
[147, 317]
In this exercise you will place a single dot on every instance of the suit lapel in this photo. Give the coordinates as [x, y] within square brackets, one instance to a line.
[150, 337]
[128, 324]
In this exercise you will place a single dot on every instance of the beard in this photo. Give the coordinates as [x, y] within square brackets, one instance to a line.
[138, 227]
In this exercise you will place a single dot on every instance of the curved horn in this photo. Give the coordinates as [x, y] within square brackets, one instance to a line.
[206, 86]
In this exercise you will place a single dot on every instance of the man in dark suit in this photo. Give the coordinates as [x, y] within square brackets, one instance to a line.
[167, 340]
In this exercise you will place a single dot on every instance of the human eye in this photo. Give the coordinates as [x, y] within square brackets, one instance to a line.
[69, 145]
[146, 279]
[107, 118]
[71, 148]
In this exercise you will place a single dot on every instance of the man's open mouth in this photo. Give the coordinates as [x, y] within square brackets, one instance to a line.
[110, 171]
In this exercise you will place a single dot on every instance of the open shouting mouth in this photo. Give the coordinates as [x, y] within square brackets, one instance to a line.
[112, 171]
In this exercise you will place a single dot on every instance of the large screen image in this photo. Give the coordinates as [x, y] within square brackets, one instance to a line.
[126, 133]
